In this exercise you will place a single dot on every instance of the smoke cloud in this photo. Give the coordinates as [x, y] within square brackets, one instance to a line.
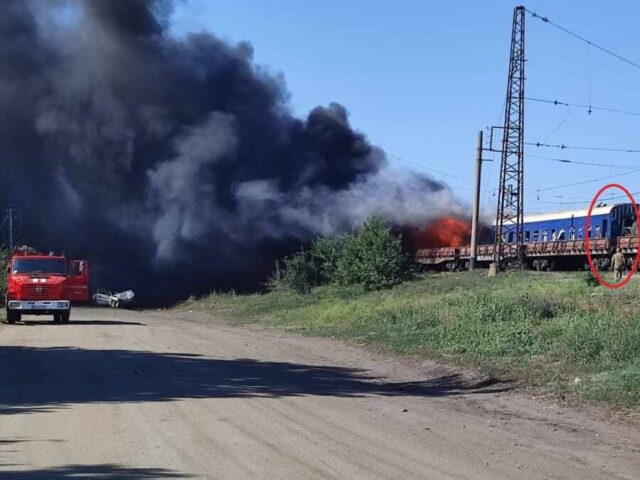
[174, 164]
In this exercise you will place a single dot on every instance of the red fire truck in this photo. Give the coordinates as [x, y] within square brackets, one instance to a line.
[40, 284]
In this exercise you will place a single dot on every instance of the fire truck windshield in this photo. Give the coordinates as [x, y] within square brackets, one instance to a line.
[40, 265]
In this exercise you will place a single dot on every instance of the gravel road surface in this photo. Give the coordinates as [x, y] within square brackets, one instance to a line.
[151, 395]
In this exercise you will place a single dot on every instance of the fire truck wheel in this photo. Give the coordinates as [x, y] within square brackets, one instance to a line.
[13, 316]
[65, 315]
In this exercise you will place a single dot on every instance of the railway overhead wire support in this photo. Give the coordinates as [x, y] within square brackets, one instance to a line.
[475, 214]
[508, 231]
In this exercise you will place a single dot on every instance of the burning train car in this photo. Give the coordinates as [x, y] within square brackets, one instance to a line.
[551, 240]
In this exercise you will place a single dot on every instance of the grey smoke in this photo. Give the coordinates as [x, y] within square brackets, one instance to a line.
[175, 165]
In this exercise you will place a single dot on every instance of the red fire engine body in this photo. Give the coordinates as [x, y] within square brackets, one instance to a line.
[39, 284]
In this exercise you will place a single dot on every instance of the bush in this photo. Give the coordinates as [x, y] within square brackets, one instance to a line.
[372, 257]
[301, 272]
[326, 252]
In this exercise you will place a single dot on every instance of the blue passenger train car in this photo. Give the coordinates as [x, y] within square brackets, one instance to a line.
[554, 240]
[607, 221]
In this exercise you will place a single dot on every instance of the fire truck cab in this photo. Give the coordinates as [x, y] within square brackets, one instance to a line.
[40, 284]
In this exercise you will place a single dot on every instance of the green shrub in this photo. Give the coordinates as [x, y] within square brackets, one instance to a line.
[300, 273]
[326, 252]
[372, 257]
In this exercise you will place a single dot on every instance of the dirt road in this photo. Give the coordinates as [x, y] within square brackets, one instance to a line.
[124, 395]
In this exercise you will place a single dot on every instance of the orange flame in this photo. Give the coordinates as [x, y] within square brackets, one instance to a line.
[442, 232]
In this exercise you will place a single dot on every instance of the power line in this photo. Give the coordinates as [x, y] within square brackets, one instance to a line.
[578, 162]
[587, 201]
[597, 149]
[555, 187]
[454, 187]
[589, 108]
[605, 196]
[439, 172]
[581, 38]
[567, 197]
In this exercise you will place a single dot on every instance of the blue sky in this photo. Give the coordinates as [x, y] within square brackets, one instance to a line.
[420, 78]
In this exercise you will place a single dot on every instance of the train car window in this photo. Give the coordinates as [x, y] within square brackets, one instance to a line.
[572, 233]
[604, 228]
[544, 236]
[527, 236]
[535, 235]
[597, 232]
[561, 234]
[589, 232]
[581, 233]
[553, 234]
[510, 237]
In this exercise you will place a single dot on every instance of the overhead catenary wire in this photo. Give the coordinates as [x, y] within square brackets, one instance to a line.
[589, 108]
[603, 83]
[487, 191]
[583, 39]
[593, 180]
[571, 147]
[579, 162]
[630, 169]
[556, 197]
[420, 165]
[586, 201]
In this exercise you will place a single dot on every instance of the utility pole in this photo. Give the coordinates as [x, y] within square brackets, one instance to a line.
[508, 232]
[11, 224]
[10, 216]
[476, 205]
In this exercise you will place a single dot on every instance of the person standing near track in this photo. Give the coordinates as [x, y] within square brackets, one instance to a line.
[618, 264]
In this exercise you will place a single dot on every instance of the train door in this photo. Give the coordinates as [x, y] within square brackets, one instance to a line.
[78, 280]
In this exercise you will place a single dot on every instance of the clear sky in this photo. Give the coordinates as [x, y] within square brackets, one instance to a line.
[421, 77]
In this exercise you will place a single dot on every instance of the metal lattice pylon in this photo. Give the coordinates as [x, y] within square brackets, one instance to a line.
[508, 236]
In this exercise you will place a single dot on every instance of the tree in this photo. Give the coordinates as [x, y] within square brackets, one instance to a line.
[372, 257]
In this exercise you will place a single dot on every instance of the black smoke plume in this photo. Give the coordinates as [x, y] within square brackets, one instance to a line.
[173, 164]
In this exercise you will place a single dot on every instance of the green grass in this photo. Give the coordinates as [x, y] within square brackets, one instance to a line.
[550, 331]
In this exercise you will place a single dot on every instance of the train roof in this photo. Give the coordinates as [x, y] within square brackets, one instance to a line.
[583, 212]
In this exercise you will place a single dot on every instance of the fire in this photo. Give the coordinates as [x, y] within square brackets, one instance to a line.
[443, 232]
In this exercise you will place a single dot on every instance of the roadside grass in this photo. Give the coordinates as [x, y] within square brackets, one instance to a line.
[549, 331]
